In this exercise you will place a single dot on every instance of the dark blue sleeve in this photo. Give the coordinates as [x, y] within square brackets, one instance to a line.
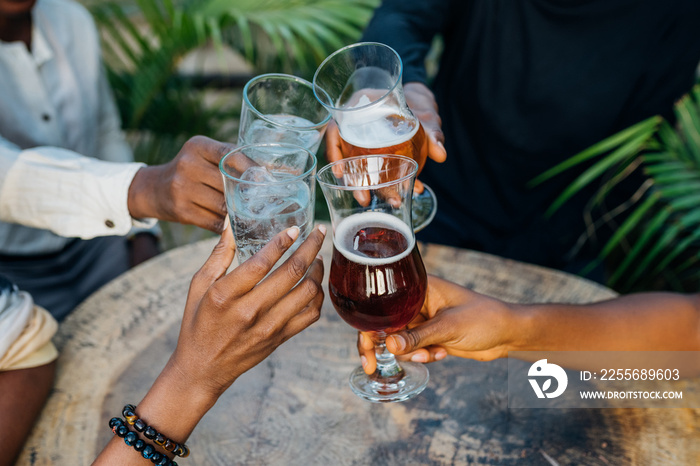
[408, 26]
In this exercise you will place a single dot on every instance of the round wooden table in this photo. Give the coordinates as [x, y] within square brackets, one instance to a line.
[296, 408]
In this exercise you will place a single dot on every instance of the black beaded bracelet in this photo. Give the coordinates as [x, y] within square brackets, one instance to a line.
[178, 449]
[120, 429]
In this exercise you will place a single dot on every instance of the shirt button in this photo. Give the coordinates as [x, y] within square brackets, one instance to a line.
[109, 223]
[46, 117]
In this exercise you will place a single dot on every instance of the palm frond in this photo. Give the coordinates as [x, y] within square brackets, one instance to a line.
[658, 244]
[287, 35]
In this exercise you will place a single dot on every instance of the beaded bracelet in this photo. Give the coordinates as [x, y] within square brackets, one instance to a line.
[120, 429]
[178, 449]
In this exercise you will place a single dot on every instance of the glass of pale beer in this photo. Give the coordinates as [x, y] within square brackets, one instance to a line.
[361, 86]
[377, 278]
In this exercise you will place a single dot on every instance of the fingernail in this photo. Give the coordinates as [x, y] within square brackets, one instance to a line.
[442, 146]
[293, 232]
[322, 229]
[362, 340]
[440, 354]
[363, 361]
[320, 257]
[419, 358]
[400, 342]
[227, 221]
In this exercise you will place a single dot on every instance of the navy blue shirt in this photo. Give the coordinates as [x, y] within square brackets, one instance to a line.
[526, 84]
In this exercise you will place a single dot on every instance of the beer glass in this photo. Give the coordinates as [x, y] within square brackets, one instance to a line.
[377, 279]
[268, 188]
[280, 108]
[361, 86]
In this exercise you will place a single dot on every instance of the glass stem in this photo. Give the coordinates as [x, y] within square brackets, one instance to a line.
[387, 367]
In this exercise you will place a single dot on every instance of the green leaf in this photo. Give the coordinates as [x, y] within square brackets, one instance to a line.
[641, 131]
[666, 239]
[674, 176]
[649, 231]
[677, 250]
[689, 122]
[686, 202]
[632, 221]
[629, 149]
[680, 188]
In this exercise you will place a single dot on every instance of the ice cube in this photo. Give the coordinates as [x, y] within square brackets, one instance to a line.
[270, 199]
[258, 175]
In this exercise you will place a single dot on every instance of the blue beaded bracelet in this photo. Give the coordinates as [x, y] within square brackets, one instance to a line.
[131, 438]
[177, 449]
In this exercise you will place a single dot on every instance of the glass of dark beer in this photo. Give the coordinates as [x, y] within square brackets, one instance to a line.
[377, 278]
[361, 86]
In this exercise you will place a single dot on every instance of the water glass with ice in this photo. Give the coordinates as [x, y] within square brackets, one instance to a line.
[268, 187]
[282, 108]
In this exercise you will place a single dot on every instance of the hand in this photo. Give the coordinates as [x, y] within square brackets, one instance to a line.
[453, 321]
[232, 322]
[189, 189]
[422, 103]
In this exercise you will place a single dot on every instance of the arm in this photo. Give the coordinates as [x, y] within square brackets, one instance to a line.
[75, 196]
[112, 147]
[231, 323]
[24, 392]
[463, 323]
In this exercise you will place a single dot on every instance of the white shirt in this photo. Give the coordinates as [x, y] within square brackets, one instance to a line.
[65, 168]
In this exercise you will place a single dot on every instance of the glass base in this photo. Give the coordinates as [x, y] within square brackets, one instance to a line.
[424, 208]
[412, 380]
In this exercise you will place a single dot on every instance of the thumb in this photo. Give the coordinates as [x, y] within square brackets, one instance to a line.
[218, 263]
[409, 340]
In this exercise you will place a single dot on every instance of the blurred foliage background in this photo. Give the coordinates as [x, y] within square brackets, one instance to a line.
[655, 243]
[177, 67]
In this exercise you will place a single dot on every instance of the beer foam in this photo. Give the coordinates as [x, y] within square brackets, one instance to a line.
[372, 128]
[347, 229]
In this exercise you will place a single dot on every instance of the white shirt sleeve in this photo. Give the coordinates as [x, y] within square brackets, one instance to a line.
[61, 191]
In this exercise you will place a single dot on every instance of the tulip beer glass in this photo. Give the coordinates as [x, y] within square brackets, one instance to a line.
[361, 86]
[377, 279]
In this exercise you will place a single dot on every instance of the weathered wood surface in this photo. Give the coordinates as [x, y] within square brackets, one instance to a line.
[296, 408]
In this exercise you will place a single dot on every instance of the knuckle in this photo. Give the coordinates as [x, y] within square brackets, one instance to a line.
[247, 315]
[281, 243]
[315, 314]
[412, 338]
[264, 332]
[196, 140]
[296, 268]
[217, 298]
[222, 149]
[311, 288]
[200, 277]
[259, 265]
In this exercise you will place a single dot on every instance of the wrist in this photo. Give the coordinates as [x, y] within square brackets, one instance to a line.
[175, 403]
[522, 319]
[139, 198]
